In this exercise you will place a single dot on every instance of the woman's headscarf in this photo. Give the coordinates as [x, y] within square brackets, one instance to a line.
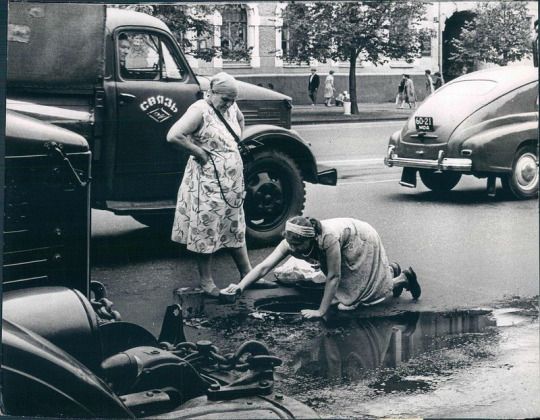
[223, 83]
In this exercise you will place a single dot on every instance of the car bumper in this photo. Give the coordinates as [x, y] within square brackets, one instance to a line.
[441, 164]
[326, 176]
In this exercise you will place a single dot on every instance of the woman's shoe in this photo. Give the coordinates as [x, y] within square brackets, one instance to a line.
[413, 285]
[210, 289]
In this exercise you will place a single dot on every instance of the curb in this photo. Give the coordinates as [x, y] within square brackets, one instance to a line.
[349, 120]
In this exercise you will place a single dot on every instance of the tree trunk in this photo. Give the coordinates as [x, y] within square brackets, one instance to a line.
[352, 82]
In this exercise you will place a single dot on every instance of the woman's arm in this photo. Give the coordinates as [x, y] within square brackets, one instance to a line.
[261, 269]
[333, 262]
[177, 135]
[240, 118]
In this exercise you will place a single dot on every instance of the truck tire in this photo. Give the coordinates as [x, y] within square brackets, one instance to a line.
[275, 192]
[522, 182]
[439, 182]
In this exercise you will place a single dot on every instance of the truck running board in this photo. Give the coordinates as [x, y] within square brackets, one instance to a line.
[130, 207]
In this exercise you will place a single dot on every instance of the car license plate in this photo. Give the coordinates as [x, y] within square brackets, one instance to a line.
[423, 123]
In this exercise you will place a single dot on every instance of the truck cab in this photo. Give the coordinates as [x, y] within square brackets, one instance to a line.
[127, 87]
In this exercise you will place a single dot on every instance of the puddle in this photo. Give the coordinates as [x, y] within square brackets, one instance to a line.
[343, 360]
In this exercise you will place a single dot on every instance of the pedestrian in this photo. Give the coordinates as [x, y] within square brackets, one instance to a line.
[340, 98]
[313, 86]
[329, 88]
[428, 82]
[351, 255]
[437, 80]
[209, 212]
[410, 94]
[400, 97]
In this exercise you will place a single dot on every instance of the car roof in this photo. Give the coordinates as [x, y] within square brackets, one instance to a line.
[123, 17]
[504, 76]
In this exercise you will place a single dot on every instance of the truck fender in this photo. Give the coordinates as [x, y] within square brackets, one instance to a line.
[287, 141]
[493, 150]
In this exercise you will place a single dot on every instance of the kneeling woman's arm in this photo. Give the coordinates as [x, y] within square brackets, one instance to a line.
[261, 269]
[333, 263]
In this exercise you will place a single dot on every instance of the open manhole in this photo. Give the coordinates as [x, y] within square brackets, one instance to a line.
[285, 305]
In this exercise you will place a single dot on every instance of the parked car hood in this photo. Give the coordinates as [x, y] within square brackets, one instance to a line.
[248, 91]
[27, 135]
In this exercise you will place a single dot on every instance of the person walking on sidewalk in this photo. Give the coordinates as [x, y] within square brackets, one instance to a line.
[313, 86]
[400, 97]
[410, 94]
[437, 80]
[329, 88]
[429, 82]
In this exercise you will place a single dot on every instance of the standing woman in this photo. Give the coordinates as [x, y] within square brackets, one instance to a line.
[329, 88]
[410, 93]
[351, 255]
[209, 213]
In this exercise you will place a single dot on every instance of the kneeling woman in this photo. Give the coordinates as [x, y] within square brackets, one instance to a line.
[350, 254]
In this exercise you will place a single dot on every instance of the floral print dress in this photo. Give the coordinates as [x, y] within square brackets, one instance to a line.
[203, 220]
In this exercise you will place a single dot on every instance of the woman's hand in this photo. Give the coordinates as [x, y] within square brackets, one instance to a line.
[202, 157]
[232, 289]
[310, 313]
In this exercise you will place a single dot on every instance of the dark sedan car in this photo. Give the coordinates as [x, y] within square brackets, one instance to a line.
[484, 124]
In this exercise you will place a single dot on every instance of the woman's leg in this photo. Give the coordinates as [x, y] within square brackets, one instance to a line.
[204, 263]
[241, 259]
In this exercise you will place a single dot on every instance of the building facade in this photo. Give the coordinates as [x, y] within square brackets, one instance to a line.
[260, 28]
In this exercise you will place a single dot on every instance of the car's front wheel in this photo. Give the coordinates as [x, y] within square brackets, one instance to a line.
[275, 191]
[439, 182]
[523, 181]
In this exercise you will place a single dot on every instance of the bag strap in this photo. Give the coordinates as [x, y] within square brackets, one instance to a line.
[225, 123]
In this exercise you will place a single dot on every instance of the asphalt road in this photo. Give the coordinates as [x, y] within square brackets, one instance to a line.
[468, 249]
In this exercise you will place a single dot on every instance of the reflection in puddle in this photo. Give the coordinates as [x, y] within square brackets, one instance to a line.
[349, 350]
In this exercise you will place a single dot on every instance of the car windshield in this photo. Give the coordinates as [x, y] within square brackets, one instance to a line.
[470, 88]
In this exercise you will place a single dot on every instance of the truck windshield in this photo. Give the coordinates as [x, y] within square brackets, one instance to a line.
[145, 56]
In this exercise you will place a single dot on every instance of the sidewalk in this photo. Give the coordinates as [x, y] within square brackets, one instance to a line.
[307, 114]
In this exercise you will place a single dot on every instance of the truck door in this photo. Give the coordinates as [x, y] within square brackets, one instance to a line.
[154, 87]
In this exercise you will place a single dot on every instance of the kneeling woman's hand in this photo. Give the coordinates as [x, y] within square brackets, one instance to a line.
[310, 313]
[232, 289]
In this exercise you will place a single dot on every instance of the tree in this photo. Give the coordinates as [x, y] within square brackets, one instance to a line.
[347, 31]
[500, 33]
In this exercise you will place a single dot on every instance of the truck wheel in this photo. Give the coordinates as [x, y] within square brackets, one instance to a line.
[522, 183]
[275, 192]
[439, 182]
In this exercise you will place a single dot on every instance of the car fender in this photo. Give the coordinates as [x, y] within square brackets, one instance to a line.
[494, 146]
[285, 140]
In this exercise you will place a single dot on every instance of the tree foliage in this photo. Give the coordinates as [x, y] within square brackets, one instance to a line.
[500, 33]
[374, 32]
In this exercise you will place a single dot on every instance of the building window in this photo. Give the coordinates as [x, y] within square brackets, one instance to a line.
[233, 31]
[288, 44]
[425, 44]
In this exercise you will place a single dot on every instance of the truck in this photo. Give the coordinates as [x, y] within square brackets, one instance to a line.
[64, 68]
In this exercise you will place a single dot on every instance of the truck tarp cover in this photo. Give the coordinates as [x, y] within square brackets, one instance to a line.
[55, 45]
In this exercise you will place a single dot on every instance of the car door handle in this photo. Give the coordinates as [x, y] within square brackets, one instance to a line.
[126, 97]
